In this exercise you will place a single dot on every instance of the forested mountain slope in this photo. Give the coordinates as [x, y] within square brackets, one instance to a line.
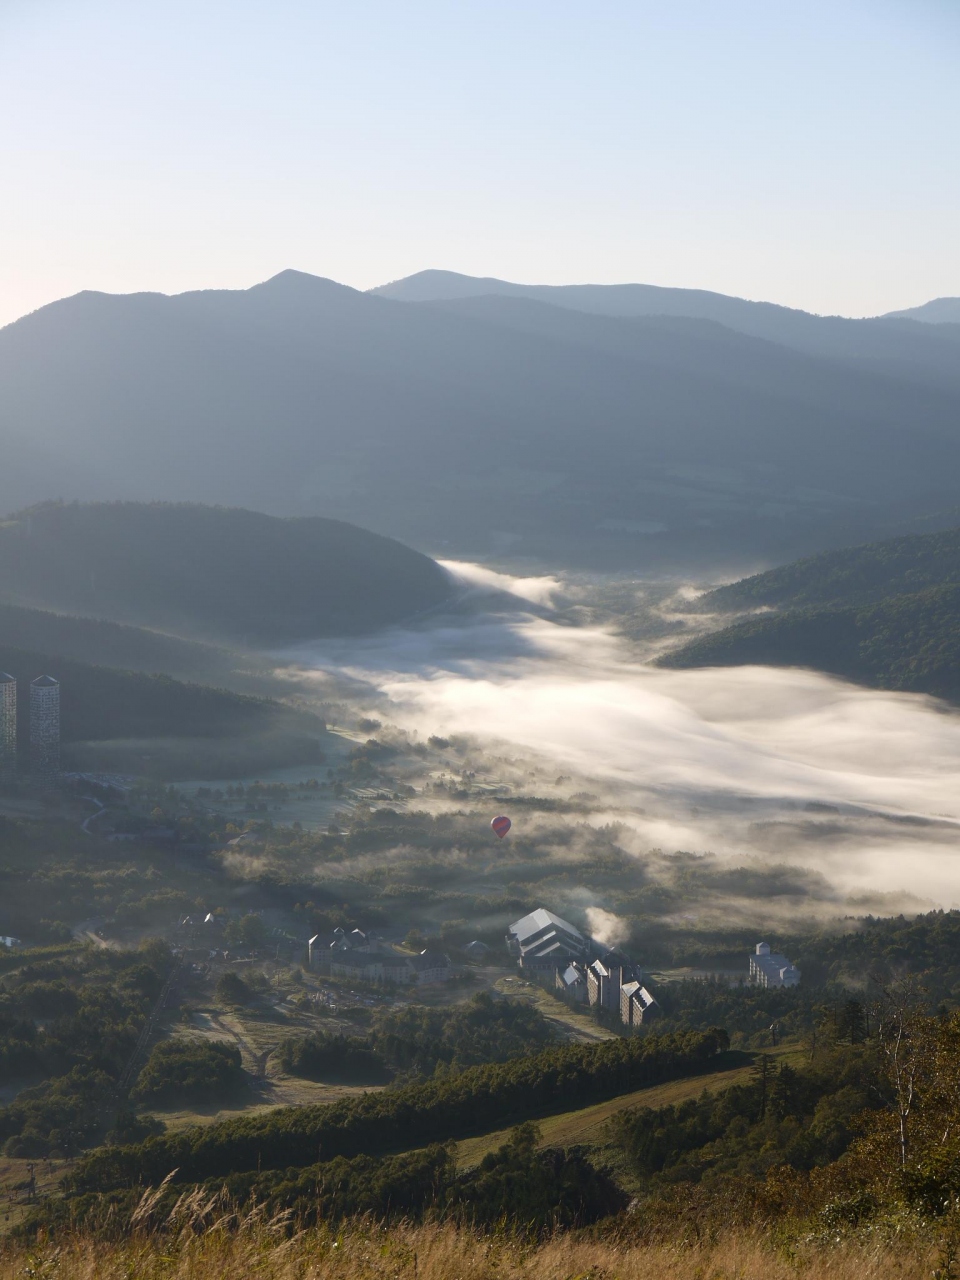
[937, 311]
[114, 645]
[226, 575]
[487, 423]
[850, 575]
[886, 614]
[909, 642]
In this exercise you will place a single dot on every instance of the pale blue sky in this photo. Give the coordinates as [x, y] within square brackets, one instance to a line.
[802, 151]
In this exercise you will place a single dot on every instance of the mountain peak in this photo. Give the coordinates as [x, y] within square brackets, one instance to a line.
[444, 286]
[290, 282]
[937, 311]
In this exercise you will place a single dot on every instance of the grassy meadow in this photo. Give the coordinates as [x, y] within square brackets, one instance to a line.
[262, 1250]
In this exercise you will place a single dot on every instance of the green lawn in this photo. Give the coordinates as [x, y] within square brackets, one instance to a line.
[586, 1127]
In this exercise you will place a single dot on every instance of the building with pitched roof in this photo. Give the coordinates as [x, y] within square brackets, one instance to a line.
[637, 1005]
[572, 982]
[544, 942]
[361, 957]
[431, 967]
[604, 979]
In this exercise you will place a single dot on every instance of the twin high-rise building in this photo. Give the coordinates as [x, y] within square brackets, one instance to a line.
[8, 727]
[44, 728]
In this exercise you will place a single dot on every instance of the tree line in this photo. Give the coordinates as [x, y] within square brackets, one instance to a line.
[417, 1041]
[477, 1100]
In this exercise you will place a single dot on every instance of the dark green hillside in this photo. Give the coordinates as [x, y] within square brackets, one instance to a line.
[852, 575]
[456, 1106]
[111, 644]
[909, 642]
[886, 614]
[213, 572]
[153, 724]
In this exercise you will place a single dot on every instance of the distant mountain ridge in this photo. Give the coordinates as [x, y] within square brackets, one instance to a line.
[882, 336]
[490, 424]
[937, 311]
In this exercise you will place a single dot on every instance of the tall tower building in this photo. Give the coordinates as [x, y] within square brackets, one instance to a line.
[8, 727]
[45, 729]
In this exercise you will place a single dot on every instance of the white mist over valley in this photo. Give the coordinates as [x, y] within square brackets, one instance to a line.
[749, 763]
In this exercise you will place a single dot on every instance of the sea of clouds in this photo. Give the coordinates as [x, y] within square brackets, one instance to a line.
[789, 765]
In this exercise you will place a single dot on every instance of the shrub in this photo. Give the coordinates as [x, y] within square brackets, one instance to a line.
[337, 1058]
[231, 989]
[190, 1071]
[248, 931]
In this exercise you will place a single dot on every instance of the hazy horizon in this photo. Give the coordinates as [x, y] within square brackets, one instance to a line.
[242, 287]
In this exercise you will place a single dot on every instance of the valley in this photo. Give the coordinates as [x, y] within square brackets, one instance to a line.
[172, 992]
[479, 660]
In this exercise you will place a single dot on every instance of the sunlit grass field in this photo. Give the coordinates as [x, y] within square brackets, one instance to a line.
[264, 1251]
[587, 1126]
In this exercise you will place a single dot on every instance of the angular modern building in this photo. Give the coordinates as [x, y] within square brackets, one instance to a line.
[572, 982]
[544, 943]
[637, 1005]
[8, 727]
[45, 729]
[605, 978]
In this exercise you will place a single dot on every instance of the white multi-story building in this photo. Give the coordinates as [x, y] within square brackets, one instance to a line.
[770, 969]
[431, 967]
[45, 728]
[8, 727]
[604, 979]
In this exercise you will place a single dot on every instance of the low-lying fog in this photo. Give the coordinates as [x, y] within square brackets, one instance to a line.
[746, 762]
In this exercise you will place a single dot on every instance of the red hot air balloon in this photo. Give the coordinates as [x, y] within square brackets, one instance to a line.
[501, 826]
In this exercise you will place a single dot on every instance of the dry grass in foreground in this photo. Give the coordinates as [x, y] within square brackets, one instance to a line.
[261, 1251]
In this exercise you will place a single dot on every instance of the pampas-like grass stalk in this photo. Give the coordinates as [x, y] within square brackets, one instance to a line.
[199, 1242]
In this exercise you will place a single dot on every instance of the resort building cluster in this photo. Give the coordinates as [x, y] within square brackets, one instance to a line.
[554, 952]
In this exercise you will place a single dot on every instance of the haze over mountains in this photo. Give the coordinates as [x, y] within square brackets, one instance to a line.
[938, 311]
[818, 334]
[570, 424]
